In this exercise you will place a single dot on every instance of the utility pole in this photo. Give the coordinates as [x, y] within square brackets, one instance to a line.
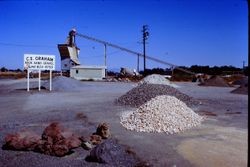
[105, 55]
[138, 63]
[172, 70]
[105, 59]
[145, 37]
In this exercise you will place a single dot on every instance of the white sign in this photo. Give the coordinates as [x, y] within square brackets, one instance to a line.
[39, 62]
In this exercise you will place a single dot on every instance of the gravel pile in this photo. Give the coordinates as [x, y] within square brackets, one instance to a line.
[215, 81]
[161, 114]
[157, 79]
[145, 92]
[62, 83]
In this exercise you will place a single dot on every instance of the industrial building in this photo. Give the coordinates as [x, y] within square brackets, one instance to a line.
[69, 57]
[71, 66]
[70, 63]
[69, 53]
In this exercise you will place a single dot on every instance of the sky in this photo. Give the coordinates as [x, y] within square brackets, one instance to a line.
[181, 32]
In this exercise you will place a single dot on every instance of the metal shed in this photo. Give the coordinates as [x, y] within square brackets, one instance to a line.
[84, 72]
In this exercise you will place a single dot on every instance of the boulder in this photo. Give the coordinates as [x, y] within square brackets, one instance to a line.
[82, 138]
[53, 132]
[24, 140]
[55, 140]
[87, 145]
[45, 147]
[103, 130]
[95, 139]
[113, 154]
[72, 142]
[58, 141]
[60, 150]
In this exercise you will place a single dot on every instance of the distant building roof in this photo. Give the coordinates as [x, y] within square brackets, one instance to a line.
[89, 66]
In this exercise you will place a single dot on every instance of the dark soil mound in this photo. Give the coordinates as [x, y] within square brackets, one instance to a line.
[242, 81]
[145, 92]
[215, 81]
[243, 89]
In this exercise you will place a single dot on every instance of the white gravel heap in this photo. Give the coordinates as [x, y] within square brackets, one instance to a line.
[157, 79]
[161, 114]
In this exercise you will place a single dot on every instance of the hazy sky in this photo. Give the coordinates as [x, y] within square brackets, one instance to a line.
[182, 32]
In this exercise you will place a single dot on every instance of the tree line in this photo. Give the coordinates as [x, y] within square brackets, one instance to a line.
[215, 70]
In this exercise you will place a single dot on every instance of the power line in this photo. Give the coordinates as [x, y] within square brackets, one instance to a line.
[110, 53]
[27, 45]
[133, 52]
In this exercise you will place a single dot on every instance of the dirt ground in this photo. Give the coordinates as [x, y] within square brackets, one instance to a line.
[221, 140]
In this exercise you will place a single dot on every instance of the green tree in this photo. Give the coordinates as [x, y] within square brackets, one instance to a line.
[3, 69]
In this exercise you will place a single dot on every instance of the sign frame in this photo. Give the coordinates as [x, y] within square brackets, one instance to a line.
[39, 62]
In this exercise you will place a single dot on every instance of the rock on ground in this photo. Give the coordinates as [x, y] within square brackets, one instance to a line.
[95, 139]
[113, 154]
[58, 141]
[55, 140]
[24, 140]
[103, 130]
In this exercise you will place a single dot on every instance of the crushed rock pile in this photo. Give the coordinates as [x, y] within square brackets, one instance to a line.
[62, 83]
[157, 79]
[161, 114]
[215, 81]
[145, 92]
